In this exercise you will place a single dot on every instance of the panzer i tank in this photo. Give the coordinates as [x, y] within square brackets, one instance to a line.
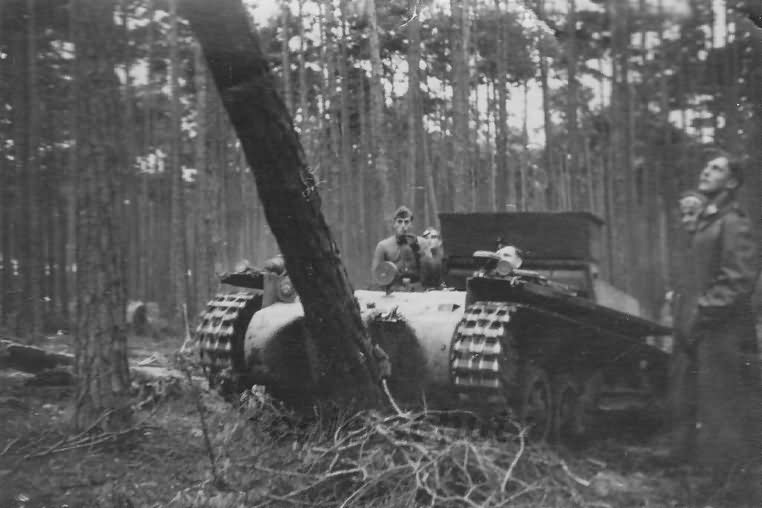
[546, 339]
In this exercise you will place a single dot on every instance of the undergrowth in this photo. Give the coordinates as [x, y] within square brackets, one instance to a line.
[266, 455]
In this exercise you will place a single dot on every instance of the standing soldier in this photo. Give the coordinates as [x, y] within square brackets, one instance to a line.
[682, 393]
[721, 329]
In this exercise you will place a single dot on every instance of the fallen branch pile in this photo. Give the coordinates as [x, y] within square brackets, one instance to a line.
[382, 460]
[410, 459]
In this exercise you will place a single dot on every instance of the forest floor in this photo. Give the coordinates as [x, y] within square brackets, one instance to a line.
[163, 461]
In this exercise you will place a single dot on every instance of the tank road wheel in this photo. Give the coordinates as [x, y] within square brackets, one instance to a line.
[567, 409]
[536, 403]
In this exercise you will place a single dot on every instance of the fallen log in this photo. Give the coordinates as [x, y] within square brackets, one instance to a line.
[30, 358]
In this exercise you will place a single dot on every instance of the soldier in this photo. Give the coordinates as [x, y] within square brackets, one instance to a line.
[721, 330]
[402, 248]
[512, 255]
[431, 261]
[692, 203]
[682, 380]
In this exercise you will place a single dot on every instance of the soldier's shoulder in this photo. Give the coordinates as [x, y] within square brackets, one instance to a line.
[736, 211]
[387, 242]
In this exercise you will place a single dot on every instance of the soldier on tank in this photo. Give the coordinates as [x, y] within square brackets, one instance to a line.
[418, 258]
[431, 261]
[402, 248]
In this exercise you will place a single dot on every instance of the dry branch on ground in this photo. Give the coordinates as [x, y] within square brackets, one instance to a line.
[373, 458]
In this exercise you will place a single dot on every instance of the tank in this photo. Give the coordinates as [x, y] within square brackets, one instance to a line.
[545, 340]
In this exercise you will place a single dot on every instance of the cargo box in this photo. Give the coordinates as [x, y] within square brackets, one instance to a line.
[542, 235]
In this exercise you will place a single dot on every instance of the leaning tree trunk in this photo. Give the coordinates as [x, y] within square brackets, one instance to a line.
[289, 196]
[100, 341]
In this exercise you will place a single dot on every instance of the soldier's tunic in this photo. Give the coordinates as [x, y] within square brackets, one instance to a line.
[682, 382]
[728, 378]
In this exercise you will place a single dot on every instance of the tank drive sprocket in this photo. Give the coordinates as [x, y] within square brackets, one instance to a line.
[220, 336]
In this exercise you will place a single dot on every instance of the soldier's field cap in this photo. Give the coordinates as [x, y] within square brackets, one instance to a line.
[403, 212]
[693, 195]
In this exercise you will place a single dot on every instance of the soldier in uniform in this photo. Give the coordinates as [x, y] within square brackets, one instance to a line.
[402, 248]
[682, 374]
[431, 261]
[721, 328]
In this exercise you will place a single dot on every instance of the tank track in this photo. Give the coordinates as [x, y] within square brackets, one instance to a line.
[483, 370]
[220, 336]
[482, 355]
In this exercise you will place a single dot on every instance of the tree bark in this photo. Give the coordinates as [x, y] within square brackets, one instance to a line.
[414, 120]
[461, 181]
[100, 343]
[204, 175]
[288, 193]
[378, 132]
[352, 245]
[547, 152]
[285, 56]
[8, 194]
[33, 252]
[571, 118]
[503, 189]
[178, 266]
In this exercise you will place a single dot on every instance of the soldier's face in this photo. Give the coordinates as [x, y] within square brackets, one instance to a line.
[510, 254]
[402, 225]
[690, 209]
[435, 241]
[716, 176]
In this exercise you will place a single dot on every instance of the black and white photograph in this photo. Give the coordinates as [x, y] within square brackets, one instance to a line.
[380, 253]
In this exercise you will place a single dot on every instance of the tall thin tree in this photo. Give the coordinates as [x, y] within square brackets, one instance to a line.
[102, 389]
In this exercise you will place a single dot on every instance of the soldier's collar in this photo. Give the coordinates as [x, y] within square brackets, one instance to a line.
[724, 201]
[711, 209]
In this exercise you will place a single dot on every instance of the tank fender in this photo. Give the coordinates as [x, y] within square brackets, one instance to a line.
[434, 332]
[263, 330]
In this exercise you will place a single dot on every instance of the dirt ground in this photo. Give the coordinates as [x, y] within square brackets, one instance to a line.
[42, 464]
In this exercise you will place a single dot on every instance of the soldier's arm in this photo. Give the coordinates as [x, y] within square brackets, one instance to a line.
[379, 256]
[734, 281]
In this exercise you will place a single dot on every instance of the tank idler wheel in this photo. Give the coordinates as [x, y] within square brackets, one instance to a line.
[568, 412]
[535, 404]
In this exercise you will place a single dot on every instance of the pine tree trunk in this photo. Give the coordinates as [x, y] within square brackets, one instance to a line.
[414, 114]
[100, 343]
[383, 196]
[504, 190]
[303, 125]
[204, 247]
[492, 120]
[289, 196]
[177, 253]
[752, 189]
[547, 122]
[285, 55]
[333, 148]
[366, 206]
[571, 118]
[524, 167]
[431, 188]
[461, 181]
[352, 244]
[133, 210]
[8, 195]
[32, 254]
